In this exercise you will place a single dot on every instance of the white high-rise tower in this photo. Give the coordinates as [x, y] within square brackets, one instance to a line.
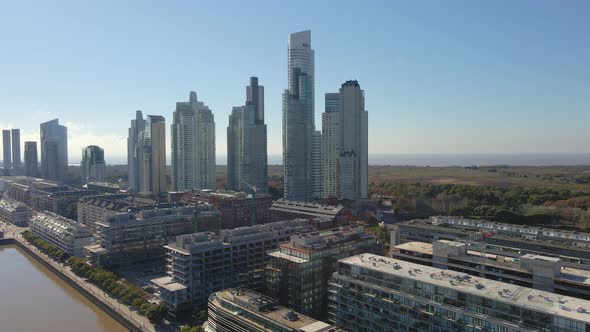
[298, 119]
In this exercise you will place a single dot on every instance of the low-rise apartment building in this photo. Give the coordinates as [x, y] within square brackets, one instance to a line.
[237, 209]
[244, 310]
[15, 212]
[129, 238]
[66, 234]
[299, 270]
[529, 270]
[375, 293]
[202, 263]
[332, 216]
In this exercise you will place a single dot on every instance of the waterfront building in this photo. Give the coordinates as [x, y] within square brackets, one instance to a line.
[246, 143]
[16, 155]
[31, 159]
[15, 212]
[202, 263]
[127, 238]
[299, 270]
[237, 209]
[66, 234]
[529, 270]
[6, 152]
[330, 145]
[54, 151]
[245, 310]
[193, 143]
[375, 293]
[92, 166]
[298, 118]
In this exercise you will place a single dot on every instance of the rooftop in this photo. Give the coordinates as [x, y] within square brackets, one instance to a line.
[168, 284]
[267, 307]
[529, 298]
[312, 209]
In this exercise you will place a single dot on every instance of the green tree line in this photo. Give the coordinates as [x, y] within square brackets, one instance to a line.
[108, 282]
[46, 247]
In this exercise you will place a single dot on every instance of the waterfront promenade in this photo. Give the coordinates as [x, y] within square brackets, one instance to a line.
[139, 322]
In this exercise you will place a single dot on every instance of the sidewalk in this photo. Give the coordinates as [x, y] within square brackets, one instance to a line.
[141, 322]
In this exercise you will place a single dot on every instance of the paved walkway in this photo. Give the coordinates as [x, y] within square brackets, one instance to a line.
[141, 322]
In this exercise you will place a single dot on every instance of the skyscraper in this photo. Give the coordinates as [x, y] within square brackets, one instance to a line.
[246, 143]
[193, 146]
[92, 164]
[133, 150]
[146, 148]
[316, 165]
[353, 154]
[7, 157]
[330, 144]
[54, 151]
[16, 158]
[31, 159]
[298, 118]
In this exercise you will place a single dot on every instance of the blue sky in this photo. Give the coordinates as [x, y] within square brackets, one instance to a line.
[439, 77]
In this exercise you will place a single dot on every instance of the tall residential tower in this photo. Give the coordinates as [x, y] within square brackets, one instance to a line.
[7, 156]
[54, 151]
[246, 143]
[16, 158]
[31, 159]
[193, 146]
[298, 119]
[92, 164]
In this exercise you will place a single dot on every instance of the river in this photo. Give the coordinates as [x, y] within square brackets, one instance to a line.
[34, 299]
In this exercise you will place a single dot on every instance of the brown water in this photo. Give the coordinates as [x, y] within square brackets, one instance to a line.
[34, 299]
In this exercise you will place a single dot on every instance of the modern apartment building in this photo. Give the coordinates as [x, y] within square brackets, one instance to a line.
[316, 166]
[237, 209]
[245, 310]
[16, 155]
[193, 141]
[146, 154]
[43, 195]
[330, 145]
[529, 270]
[15, 212]
[298, 118]
[66, 234]
[299, 270]
[6, 152]
[54, 151]
[31, 159]
[353, 151]
[128, 238]
[376, 293]
[572, 247]
[246, 143]
[202, 263]
[92, 166]
[332, 215]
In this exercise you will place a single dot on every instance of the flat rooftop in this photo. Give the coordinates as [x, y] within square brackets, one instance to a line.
[169, 284]
[272, 312]
[532, 299]
[306, 208]
[419, 247]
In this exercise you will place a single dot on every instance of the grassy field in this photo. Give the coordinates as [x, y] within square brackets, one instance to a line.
[573, 178]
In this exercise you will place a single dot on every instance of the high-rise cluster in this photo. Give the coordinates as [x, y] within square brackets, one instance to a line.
[146, 154]
[246, 143]
[11, 151]
[193, 146]
[332, 163]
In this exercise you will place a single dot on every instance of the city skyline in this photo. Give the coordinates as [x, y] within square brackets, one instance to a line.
[452, 86]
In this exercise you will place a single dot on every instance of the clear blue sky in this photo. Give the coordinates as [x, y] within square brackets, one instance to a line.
[439, 76]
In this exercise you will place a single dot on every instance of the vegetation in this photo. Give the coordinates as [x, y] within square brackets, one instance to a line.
[192, 329]
[127, 294]
[381, 233]
[46, 247]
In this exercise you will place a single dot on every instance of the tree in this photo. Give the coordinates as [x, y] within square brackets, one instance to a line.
[72, 211]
